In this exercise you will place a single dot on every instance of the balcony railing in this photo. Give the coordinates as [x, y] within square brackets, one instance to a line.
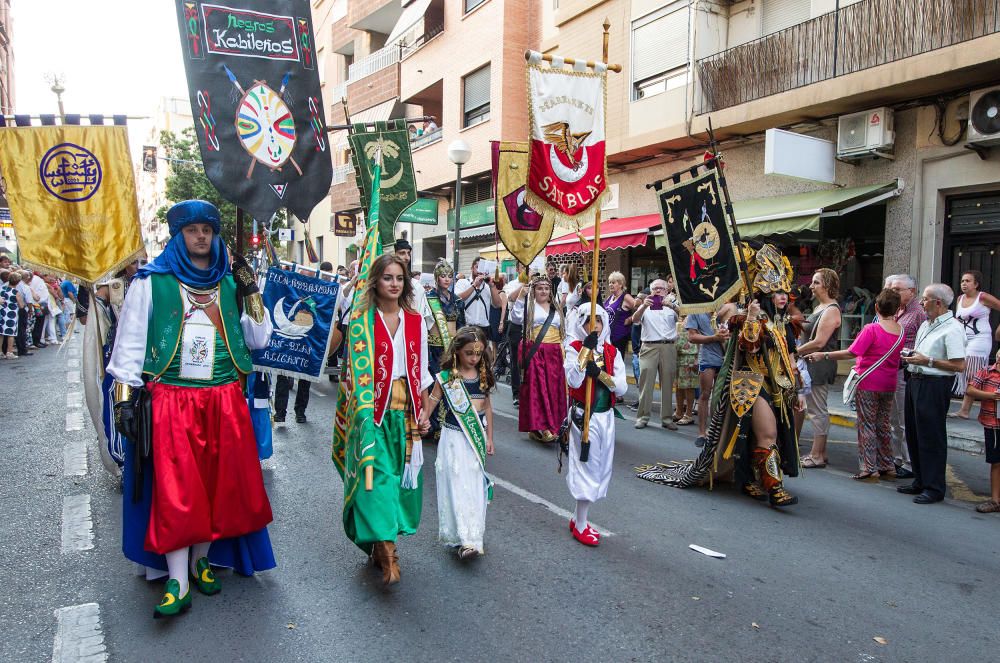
[413, 42]
[857, 37]
[426, 139]
[339, 92]
[377, 61]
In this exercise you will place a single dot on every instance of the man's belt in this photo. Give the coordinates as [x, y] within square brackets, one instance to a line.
[924, 376]
[659, 342]
[594, 410]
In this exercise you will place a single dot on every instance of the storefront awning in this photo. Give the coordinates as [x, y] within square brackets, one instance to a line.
[803, 211]
[615, 234]
[496, 252]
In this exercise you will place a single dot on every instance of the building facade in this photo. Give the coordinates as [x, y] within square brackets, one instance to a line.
[924, 199]
[6, 60]
[394, 59]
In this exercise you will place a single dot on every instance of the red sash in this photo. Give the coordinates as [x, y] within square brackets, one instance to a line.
[384, 358]
[579, 394]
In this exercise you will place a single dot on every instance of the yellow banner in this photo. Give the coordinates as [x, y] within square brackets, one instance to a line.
[522, 230]
[72, 198]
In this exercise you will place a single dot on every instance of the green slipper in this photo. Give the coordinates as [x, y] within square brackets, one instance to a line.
[204, 579]
[172, 603]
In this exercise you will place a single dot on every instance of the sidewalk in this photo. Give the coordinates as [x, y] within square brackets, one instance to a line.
[963, 434]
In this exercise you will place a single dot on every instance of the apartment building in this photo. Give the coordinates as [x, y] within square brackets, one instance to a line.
[6, 60]
[460, 62]
[172, 114]
[898, 86]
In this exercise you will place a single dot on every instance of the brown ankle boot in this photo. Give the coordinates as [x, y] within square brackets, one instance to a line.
[390, 565]
[767, 466]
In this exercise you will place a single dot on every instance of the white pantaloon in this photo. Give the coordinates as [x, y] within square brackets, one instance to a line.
[589, 481]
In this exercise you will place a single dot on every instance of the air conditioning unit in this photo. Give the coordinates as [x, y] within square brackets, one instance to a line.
[984, 117]
[866, 134]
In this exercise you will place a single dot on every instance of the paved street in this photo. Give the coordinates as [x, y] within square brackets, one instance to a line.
[817, 582]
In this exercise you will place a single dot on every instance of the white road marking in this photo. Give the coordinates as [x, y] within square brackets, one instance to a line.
[74, 458]
[74, 420]
[77, 526]
[79, 636]
[531, 497]
[73, 362]
[73, 377]
[74, 399]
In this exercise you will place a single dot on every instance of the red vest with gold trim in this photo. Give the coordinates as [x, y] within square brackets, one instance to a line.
[412, 324]
[579, 394]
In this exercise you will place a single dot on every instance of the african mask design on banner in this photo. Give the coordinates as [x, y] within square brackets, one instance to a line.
[255, 96]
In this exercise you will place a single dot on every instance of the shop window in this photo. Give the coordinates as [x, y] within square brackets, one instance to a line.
[476, 97]
[660, 50]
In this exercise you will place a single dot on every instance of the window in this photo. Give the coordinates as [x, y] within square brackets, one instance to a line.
[476, 97]
[777, 15]
[659, 49]
[472, 4]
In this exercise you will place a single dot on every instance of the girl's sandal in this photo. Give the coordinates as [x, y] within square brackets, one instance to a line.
[810, 463]
[988, 506]
[866, 477]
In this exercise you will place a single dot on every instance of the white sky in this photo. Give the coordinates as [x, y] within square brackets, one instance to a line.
[116, 56]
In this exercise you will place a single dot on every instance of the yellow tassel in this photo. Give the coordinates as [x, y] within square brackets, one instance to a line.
[732, 444]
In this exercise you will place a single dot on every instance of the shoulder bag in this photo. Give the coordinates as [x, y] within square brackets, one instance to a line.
[854, 378]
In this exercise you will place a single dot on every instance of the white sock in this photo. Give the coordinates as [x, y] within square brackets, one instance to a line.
[582, 506]
[177, 567]
[198, 551]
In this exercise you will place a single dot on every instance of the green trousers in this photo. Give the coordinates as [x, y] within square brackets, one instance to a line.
[387, 510]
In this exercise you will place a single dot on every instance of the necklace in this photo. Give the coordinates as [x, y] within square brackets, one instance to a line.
[192, 293]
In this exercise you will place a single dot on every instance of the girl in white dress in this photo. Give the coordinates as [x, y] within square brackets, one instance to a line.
[972, 309]
[463, 487]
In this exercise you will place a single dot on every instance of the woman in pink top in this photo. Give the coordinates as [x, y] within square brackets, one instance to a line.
[874, 396]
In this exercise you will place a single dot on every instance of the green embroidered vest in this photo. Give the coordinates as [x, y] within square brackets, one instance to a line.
[167, 320]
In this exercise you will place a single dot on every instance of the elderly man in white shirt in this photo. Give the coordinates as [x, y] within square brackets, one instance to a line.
[40, 300]
[938, 354]
[658, 315]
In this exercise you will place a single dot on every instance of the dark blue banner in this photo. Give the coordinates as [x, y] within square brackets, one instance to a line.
[302, 312]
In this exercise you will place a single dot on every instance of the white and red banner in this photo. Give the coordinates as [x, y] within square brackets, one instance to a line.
[567, 165]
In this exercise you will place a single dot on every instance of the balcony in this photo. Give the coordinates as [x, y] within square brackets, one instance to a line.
[426, 139]
[343, 174]
[861, 36]
[377, 61]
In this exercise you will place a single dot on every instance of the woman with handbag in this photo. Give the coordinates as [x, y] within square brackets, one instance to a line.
[873, 383]
[820, 334]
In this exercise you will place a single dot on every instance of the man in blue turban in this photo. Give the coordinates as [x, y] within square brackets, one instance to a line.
[186, 329]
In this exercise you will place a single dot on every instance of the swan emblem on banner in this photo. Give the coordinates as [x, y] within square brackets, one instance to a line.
[301, 321]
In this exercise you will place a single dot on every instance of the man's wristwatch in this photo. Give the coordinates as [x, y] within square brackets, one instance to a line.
[930, 362]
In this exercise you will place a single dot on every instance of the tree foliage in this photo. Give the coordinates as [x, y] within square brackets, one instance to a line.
[187, 180]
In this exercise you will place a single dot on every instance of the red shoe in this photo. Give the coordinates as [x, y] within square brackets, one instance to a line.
[588, 537]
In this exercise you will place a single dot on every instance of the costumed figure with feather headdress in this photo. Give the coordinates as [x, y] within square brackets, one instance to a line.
[590, 354]
[542, 408]
[448, 311]
[752, 432]
[194, 490]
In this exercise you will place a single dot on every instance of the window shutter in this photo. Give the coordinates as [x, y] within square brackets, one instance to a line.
[660, 42]
[780, 14]
[477, 89]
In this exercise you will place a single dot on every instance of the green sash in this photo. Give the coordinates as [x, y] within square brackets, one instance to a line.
[440, 321]
[468, 419]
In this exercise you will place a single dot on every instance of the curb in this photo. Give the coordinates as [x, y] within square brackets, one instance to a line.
[957, 440]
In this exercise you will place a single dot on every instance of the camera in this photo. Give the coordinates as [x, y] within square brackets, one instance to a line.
[907, 352]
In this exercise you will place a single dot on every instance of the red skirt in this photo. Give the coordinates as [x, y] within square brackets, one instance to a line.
[543, 390]
[207, 483]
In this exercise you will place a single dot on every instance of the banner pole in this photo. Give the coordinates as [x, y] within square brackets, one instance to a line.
[717, 164]
[239, 230]
[595, 265]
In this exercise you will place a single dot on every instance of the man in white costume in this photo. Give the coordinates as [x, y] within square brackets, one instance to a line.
[589, 354]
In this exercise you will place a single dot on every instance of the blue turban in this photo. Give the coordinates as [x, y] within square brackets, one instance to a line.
[193, 211]
[175, 259]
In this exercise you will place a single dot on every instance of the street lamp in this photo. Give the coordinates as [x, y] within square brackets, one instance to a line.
[459, 154]
[56, 83]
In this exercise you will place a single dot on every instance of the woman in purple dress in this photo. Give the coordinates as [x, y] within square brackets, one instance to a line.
[619, 306]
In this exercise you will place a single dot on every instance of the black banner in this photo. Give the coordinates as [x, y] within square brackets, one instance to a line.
[699, 244]
[255, 97]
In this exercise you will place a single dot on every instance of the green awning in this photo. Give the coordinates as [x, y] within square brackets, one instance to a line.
[802, 211]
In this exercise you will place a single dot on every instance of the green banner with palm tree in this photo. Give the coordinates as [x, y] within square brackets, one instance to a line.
[399, 187]
[354, 426]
